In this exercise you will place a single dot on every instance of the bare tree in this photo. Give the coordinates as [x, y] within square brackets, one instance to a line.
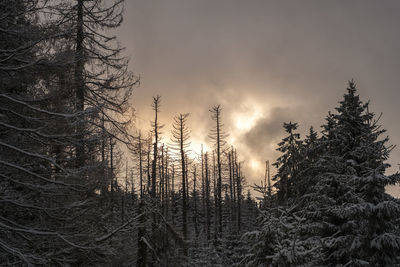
[239, 192]
[140, 150]
[195, 219]
[156, 127]
[180, 140]
[208, 206]
[218, 136]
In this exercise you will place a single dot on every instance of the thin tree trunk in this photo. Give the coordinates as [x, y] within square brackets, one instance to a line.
[207, 181]
[148, 168]
[234, 182]
[104, 187]
[215, 199]
[167, 188]
[123, 201]
[80, 85]
[154, 162]
[162, 181]
[203, 191]
[112, 174]
[184, 204]
[219, 181]
[173, 212]
[142, 247]
[187, 179]
[239, 193]
[232, 203]
[184, 211]
[196, 229]
[140, 165]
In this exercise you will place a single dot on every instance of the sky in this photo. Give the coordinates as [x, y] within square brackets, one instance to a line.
[265, 63]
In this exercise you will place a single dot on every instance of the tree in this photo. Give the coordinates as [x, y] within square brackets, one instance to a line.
[365, 221]
[218, 136]
[238, 180]
[287, 163]
[194, 196]
[102, 82]
[208, 196]
[343, 215]
[156, 132]
[310, 152]
[41, 192]
[180, 138]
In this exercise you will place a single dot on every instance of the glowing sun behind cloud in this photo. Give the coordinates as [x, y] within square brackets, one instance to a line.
[246, 119]
[255, 165]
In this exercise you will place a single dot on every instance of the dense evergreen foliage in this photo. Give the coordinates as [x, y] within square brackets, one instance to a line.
[339, 213]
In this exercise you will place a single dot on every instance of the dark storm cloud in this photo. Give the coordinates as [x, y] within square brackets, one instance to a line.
[269, 130]
[273, 53]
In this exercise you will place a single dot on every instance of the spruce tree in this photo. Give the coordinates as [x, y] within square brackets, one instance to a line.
[347, 209]
[365, 221]
[287, 163]
[343, 216]
[310, 152]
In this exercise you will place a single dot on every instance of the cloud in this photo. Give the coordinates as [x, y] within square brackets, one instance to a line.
[268, 130]
[259, 143]
[289, 59]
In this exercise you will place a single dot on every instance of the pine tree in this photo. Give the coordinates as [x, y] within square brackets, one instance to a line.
[343, 215]
[365, 221]
[347, 209]
[287, 163]
[307, 170]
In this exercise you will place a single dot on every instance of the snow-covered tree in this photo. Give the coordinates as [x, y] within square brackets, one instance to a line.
[348, 208]
[49, 212]
[40, 192]
[287, 163]
[363, 222]
[310, 152]
[343, 216]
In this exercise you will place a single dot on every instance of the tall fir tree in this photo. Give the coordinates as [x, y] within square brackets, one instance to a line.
[364, 220]
[343, 217]
[287, 163]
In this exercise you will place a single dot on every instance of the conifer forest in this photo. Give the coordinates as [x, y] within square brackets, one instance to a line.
[83, 184]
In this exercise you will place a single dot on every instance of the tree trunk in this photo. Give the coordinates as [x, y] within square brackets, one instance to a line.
[140, 165]
[239, 193]
[207, 182]
[80, 85]
[196, 229]
[184, 211]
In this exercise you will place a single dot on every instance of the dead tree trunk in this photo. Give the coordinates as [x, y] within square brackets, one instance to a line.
[239, 193]
[203, 189]
[140, 165]
[207, 182]
[156, 108]
[231, 181]
[196, 229]
[217, 135]
[80, 84]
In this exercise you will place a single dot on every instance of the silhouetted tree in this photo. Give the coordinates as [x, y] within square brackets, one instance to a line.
[180, 138]
[287, 163]
[218, 136]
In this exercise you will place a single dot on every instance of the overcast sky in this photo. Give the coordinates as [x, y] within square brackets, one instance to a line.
[265, 62]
